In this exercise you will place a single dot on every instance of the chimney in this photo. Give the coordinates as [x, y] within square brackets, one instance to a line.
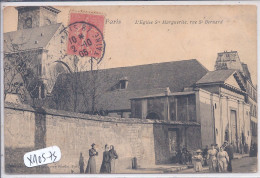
[167, 91]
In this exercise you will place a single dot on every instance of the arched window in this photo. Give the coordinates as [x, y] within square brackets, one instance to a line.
[153, 115]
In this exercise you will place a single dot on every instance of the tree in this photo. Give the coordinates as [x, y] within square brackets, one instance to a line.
[81, 87]
[22, 72]
[23, 76]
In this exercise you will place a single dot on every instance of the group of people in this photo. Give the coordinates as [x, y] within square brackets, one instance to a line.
[253, 150]
[218, 159]
[183, 156]
[108, 163]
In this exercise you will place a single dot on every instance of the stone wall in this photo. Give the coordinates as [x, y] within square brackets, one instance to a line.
[28, 129]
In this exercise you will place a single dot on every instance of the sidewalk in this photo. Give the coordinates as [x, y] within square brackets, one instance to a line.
[156, 169]
[239, 156]
[169, 168]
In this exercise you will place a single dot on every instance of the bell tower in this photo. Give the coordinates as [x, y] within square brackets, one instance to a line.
[228, 60]
[36, 16]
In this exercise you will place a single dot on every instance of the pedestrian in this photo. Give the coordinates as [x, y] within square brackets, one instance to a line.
[246, 148]
[91, 167]
[189, 157]
[217, 148]
[184, 155]
[229, 150]
[223, 159]
[81, 164]
[241, 148]
[113, 157]
[178, 156]
[212, 157]
[205, 155]
[255, 149]
[198, 161]
[105, 166]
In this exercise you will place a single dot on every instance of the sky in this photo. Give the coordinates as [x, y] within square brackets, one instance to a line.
[208, 31]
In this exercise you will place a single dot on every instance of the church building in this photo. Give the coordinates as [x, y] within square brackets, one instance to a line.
[34, 48]
[195, 107]
[215, 109]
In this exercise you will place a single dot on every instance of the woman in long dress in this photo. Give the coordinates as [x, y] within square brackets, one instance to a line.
[105, 166]
[81, 163]
[223, 159]
[91, 167]
[212, 157]
[113, 157]
[198, 161]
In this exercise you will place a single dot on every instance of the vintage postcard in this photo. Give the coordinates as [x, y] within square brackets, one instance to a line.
[120, 89]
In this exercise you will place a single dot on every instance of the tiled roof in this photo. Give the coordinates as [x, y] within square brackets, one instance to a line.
[162, 94]
[31, 38]
[142, 80]
[217, 76]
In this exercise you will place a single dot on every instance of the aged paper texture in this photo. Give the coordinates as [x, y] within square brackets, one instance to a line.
[130, 89]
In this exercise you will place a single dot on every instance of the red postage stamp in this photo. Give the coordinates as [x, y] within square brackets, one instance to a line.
[86, 35]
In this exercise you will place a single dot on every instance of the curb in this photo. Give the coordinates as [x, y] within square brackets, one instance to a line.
[185, 168]
[241, 156]
[179, 168]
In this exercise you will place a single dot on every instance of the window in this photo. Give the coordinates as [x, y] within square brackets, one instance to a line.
[40, 69]
[28, 23]
[153, 116]
[123, 84]
[42, 91]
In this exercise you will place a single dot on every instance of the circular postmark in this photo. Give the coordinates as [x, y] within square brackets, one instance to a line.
[76, 45]
[84, 40]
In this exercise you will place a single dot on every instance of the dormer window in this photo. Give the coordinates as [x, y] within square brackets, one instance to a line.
[123, 83]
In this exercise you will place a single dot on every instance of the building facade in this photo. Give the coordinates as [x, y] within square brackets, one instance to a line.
[197, 119]
[227, 108]
[108, 91]
[36, 49]
[218, 105]
[179, 114]
[230, 60]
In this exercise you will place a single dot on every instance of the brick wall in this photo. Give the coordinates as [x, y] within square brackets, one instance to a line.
[28, 129]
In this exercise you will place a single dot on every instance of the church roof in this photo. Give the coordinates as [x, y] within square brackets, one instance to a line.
[31, 38]
[142, 80]
[217, 76]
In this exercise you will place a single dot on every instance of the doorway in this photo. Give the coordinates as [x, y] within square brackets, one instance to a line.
[234, 136]
[174, 143]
